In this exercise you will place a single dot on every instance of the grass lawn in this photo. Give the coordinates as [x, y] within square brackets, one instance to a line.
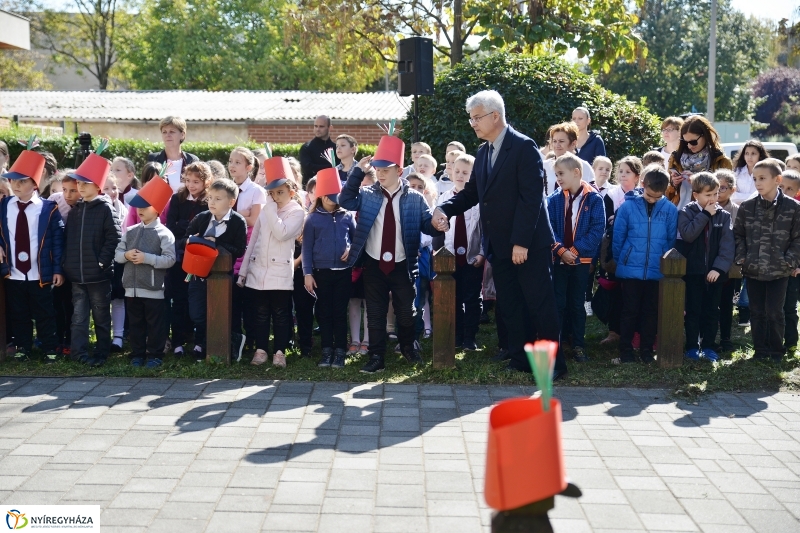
[734, 372]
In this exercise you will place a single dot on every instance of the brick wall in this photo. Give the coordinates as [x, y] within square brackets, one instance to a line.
[300, 133]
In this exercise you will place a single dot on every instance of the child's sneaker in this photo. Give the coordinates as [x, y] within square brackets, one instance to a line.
[327, 358]
[199, 354]
[353, 349]
[178, 352]
[279, 360]
[710, 354]
[137, 361]
[588, 307]
[51, 358]
[339, 358]
[20, 355]
[259, 358]
[116, 345]
[154, 362]
[693, 354]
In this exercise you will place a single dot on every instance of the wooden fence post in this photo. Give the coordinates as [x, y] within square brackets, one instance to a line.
[671, 307]
[218, 309]
[443, 287]
[3, 332]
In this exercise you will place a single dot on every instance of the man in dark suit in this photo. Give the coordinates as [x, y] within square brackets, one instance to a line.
[507, 183]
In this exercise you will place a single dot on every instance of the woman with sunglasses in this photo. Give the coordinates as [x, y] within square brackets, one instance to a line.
[699, 151]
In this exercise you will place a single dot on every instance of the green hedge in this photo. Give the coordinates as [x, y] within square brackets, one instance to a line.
[538, 92]
[63, 148]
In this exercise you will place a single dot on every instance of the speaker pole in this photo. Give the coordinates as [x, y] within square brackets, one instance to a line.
[416, 119]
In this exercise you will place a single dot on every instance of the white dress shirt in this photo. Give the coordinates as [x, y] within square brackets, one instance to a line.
[32, 212]
[249, 194]
[221, 227]
[375, 237]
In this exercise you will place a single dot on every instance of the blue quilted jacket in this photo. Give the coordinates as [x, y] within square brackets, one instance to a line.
[640, 241]
[50, 241]
[415, 217]
[591, 223]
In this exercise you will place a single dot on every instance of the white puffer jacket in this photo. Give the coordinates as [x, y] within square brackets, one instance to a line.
[268, 261]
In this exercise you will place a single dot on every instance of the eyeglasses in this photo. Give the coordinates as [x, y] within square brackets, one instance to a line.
[474, 120]
[692, 143]
[668, 130]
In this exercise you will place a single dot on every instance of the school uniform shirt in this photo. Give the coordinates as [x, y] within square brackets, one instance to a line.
[128, 195]
[32, 213]
[344, 174]
[250, 194]
[472, 221]
[444, 184]
[745, 185]
[221, 227]
[375, 237]
[549, 168]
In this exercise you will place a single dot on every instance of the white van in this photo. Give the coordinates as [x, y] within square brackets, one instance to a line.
[777, 150]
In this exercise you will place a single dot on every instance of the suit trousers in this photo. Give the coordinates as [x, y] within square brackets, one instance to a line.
[377, 287]
[528, 286]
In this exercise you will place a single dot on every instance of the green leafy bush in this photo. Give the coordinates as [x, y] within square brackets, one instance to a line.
[538, 92]
[63, 148]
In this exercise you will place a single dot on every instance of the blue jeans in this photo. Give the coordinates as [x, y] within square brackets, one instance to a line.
[569, 283]
[94, 298]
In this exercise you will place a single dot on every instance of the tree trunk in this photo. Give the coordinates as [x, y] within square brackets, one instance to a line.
[457, 50]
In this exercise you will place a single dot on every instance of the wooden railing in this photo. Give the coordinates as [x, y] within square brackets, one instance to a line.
[218, 310]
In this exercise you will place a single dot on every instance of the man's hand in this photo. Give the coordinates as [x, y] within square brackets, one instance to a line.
[519, 255]
[364, 164]
[712, 276]
[58, 280]
[568, 258]
[795, 272]
[346, 254]
[439, 220]
[2, 255]
[711, 208]
[479, 261]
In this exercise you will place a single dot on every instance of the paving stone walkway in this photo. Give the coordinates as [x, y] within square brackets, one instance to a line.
[219, 456]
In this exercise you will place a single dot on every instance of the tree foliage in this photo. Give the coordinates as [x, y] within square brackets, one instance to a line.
[18, 71]
[538, 92]
[600, 30]
[673, 76]
[779, 91]
[239, 44]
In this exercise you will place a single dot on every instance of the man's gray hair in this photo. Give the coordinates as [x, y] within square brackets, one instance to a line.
[490, 101]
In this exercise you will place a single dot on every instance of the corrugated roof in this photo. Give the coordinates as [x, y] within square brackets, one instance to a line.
[203, 105]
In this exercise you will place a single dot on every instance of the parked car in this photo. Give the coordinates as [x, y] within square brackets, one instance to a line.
[777, 150]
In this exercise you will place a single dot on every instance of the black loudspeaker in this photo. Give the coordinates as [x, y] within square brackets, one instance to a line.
[415, 66]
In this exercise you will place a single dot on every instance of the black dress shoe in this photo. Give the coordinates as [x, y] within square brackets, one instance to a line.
[375, 364]
[502, 355]
[412, 355]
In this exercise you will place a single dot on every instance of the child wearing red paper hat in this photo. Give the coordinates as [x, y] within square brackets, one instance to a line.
[91, 237]
[327, 234]
[149, 250]
[31, 246]
[268, 265]
[386, 242]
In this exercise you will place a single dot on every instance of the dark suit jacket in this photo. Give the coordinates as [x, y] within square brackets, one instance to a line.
[511, 198]
[234, 239]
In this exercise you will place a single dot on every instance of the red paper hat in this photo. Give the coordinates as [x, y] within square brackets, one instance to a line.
[156, 193]
[29, 164]
[391, 151]
[328, 184]
[94, 169]
[277, 171]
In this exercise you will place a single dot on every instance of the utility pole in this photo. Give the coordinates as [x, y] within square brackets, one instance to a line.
[712, 64]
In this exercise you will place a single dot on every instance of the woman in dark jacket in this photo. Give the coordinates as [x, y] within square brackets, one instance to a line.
[590, 144]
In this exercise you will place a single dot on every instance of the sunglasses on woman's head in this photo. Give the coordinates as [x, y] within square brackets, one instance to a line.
[692, 143]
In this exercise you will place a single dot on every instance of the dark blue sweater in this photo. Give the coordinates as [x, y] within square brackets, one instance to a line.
[326, 236]
[593, 147]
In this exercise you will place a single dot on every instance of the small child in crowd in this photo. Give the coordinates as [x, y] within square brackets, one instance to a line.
[184, 205]
[628, 171]
[267, 270]
[577, 215]
[793, 162]
[602, 168]
[111, 190]
[225, 227]
[727, 186]
[91, 238]
[147, 250]
[417, 149]
[327, 235]
[346, 151]
[706, 241]
[359, 344]
[424, 324]
[790, 183]
[644, 230]
[464, 239]
[125, 172]
[767, 232]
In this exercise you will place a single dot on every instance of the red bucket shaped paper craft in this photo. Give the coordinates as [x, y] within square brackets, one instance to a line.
[524, 460]
[199, 257]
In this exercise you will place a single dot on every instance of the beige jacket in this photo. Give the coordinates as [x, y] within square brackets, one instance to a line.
[268, 261]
